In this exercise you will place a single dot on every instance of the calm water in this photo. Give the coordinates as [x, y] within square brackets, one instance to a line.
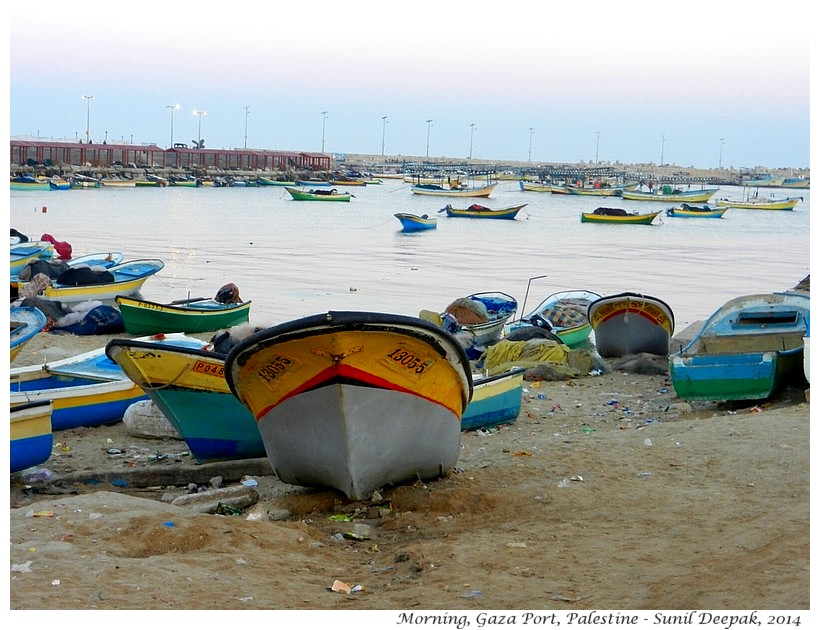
[298, 258]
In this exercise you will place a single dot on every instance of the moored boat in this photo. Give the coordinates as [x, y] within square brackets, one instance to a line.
[688, 211]
[318, 195]
[29, 182]
[188, 385]
[415, 223]
[143, 317]
[30, 435]
[440, 191]
[748, 349]
[670, 194]
[267, 181]
[761, 203]
[631, 323]
[477, 211]
[354, 400]
[618, 215]
[528, 186]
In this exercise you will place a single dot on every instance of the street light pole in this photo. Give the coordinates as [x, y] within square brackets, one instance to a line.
[199, 128]
[173, 108]
[720, 160]
[472, 129]
[88, 100]
[384, 123]
[663, 141]
[429, 124]
[324, 118]
[529, 153]
[597, 140]
[247, 109]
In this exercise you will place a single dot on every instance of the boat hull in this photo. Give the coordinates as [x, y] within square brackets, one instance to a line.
[354, 401]
[484, 213]
[30, 435]
[631, 323]
[496, 401]
[189, 387]
[779, 204]
[697, 196]
[438, 191]
[628, 219]
[415, 223]
[26, 322]
[565, 313]
[301, 195]
[142, 317]
[693, 212]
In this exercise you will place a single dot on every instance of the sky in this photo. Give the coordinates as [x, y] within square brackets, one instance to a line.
[701, 85]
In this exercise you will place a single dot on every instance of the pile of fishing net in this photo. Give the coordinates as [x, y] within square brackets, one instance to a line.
[535, 354]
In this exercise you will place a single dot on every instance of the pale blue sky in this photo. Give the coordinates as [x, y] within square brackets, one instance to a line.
[625, 80]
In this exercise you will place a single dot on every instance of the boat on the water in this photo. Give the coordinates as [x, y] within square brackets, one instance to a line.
[691, 211]
[188, 385]
[761, 203]
[618, 216]
[415, 223]
[144, 317]
[528, 186]
[354, 400]
[87, 390]
[748, 349]
[267, 181]
[318, 195]
[29, 182]
[30, 435]
[25, 322]
[460, 191]
[669, 194]
[477, 211]
[496, 400]
[631, 323]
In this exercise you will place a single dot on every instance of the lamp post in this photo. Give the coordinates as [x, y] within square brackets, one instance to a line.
[88, 100]
[199, 128]
[597, 140]
[247, 109]
[472, 129]
[429, 124]
[663, 141]
[324, 119]
[173, 108]
[720, 159]
[384, 123]
[529, 152]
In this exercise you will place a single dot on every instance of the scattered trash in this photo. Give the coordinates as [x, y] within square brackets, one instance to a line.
[522, 454]
[645, 474]
[114, 451]
[22, 568]
[470, 594]
[38, 474]
[341, 587]
[250, 483]
[343, 518]
[564, 483]
[576, 478]
[41, 513]
[647, 442]
[541, 397]
[587, 430]
[169, 524]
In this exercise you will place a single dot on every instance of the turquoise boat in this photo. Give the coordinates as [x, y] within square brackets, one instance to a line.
[564, 314]
[748, 349]
[188, 385]
[415, 223]
[27, 182]
[25, 322]
[30, 435]
[496, 400]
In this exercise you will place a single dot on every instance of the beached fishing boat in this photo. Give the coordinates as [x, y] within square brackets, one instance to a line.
[25, 323]
[441, 191]
[55, 268]
[481, 315]
[30, 435]
[22, 254]
[669, 194]
[748, 349]
[104, 284]
[631, 323]
[691, 211]
[761, 203]
[354, 400]
[496, 400]
[415, 223]
[143, 317]
[28, 182]
[88, 389]
[318, 195]
[188, 385]
[618, 216]
[564, 314]
[477, 211]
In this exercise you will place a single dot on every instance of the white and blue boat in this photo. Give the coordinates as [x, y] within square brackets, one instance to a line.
[415, 223]
[496, 400]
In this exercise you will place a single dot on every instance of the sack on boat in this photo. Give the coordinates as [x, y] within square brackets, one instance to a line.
[611, 212]
[467, 311]
[91, 318]
[51, 269]
[228, 294]
[83, 275]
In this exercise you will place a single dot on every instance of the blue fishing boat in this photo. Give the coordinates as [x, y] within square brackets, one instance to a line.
[30, 435]
[747, 350]
[25, 322]
[415, 222]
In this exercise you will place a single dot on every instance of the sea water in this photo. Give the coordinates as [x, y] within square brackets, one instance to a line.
[297, 258]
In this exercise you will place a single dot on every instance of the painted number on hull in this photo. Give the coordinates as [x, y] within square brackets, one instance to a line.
[408, 361]
[275, 368]
[211, 369]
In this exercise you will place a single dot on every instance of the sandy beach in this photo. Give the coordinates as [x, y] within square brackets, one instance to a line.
[606, 493]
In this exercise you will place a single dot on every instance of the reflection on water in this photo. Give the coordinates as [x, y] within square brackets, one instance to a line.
[298, 258]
